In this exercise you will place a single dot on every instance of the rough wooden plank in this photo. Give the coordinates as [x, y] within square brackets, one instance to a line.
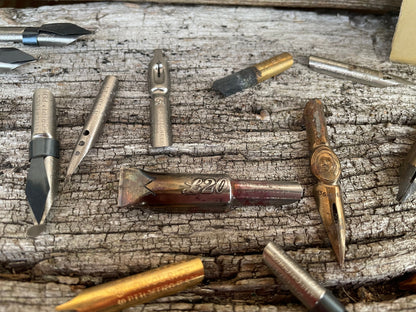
[366, 5]
[256, 134]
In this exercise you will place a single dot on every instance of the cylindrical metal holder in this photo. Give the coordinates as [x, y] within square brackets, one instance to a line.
[137, 289]
[300, 283]
[354, 73]
[200, 192]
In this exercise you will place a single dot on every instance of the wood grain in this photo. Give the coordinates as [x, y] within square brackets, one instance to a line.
[364, 5]
[257, 134]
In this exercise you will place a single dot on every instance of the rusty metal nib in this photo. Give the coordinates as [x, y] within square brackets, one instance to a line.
[56, 34]
[354, 73]
[95, 122]
[159, 88]
[253, 75]
[300, 283]
[11, 58]
[326, 168]
[137, 289]
[200, 192]
[407, 184]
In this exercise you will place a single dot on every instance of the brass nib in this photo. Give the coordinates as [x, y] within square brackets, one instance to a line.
[326, 168]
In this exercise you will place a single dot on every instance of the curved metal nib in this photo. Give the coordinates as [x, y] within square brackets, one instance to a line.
[11, 58]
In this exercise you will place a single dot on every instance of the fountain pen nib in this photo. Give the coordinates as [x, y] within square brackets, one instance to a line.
[407, 184]
[11, 58]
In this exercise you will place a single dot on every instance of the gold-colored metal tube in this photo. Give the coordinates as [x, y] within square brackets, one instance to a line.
[137, 289]
[274, 66]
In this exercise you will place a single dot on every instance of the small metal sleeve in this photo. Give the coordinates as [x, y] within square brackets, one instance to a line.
[274, 66]
[30, 36]
[42, 147]
[300, 283]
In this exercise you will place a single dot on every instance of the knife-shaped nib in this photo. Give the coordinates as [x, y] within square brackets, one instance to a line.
[95, 122]
[326, 168]
[10, 58]
[41, 186]
[407, 184]
[56, 34]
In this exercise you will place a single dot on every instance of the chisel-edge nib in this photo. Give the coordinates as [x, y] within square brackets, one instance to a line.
[11, 58]
[41, 186]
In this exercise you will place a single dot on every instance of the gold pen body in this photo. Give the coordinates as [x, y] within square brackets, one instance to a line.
[137, 289]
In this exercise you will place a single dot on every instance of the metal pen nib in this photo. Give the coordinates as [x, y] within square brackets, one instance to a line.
[354, 73]
[95, 122]
[137, 289]
[300, 283]
[56, 34]
[407, 184]
[41, 187]
[11, 58]
[326, 168]
[253, 75]
[200, 192]
[159, 88]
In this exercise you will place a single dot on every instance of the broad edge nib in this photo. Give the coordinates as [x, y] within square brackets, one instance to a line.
[11, 58]
[55, 34]
[407, 185]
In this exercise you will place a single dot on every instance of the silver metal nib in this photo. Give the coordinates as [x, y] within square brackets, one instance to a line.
[359, 74]
[159, 88]
[11, 58]
[95, 122]
[56, 34]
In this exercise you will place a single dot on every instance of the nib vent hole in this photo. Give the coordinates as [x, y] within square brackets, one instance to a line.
[86, 132]
[335, 213]
[77, 153]
[81, 143]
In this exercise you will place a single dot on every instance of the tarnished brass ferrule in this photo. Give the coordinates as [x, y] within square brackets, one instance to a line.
[273, 66]
[326, 168]
[137, 289]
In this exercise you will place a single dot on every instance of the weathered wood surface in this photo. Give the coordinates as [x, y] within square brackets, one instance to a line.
[366, 5]
[257, 134]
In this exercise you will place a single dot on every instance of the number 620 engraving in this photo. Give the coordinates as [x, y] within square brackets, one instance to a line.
[206, 186]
